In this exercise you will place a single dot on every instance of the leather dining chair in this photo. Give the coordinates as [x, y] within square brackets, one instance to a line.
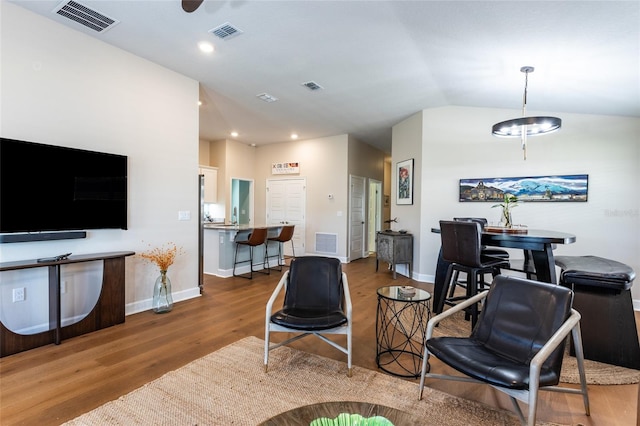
[486, 251]
[462, 248]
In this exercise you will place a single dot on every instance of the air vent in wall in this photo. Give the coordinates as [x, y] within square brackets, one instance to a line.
[225, 31]
[85, 16]
[326, 243]
[312, 85]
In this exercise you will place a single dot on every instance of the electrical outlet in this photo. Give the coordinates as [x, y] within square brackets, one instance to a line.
[18, 294]
[184, 215]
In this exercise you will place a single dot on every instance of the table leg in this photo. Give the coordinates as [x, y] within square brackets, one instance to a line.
[545, 265]
[440, 285]
[55, 318]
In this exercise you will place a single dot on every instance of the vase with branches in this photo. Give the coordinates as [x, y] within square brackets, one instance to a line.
[510, 202]
[163, 257]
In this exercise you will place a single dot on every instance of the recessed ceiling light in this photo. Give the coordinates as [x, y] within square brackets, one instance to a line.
[234, 134]
[205, 47]
[294, 136]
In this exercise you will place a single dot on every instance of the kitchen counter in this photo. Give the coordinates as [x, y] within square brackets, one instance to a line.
[219, 248]
[226, 227]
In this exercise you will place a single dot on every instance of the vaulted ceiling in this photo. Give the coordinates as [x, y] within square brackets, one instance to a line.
[378, 62]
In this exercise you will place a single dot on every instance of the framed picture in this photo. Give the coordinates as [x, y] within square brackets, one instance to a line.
[555, 188]
[404, 176]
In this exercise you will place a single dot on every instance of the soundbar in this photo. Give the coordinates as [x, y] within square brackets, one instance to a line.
[41, 236]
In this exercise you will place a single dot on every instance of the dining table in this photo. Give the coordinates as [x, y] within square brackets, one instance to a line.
[537, 244]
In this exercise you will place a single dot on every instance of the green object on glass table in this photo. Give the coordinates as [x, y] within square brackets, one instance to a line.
[346, 419]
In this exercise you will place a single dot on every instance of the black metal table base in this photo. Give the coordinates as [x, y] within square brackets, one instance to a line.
[400, 329]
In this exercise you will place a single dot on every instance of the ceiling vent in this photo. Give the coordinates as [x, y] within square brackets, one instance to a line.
[312, 85]
[85, 16]
[267, 97]
[225, 31]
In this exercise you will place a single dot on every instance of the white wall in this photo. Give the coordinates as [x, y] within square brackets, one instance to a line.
[365, 160]
[323, 162]
[62, 87]
[407, 144]
[457, 143]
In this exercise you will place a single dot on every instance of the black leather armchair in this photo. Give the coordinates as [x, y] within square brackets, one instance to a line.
[518, 344]
[317, 301]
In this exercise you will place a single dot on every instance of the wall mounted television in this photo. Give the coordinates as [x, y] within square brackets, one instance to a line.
[46, 188]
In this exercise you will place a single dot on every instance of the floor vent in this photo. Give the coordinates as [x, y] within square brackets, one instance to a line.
[326, 243]
[84, 15]
[225, 31]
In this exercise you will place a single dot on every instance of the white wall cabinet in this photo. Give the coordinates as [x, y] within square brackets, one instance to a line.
[210, 184]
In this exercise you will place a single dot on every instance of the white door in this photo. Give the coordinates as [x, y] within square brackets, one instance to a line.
[357, 210]
[286, 201]
[374, 214]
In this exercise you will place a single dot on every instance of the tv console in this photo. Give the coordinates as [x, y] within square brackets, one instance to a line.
[108, 311]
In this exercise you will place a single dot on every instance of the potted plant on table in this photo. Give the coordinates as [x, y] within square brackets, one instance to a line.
[163, 257]
[510, 201]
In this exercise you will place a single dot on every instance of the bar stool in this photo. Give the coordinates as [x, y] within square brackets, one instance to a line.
[486, 251]
[286, 234]
[462, 248]
[256, 238]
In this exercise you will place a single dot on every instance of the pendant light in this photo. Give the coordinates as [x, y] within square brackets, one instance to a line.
[526, 126]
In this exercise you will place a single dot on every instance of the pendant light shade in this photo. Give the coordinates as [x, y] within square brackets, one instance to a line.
[526, 126]
[532, 125]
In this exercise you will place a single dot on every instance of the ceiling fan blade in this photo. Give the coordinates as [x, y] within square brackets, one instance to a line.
[191, 5]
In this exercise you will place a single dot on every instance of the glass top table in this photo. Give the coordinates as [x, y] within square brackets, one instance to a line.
[403, 293]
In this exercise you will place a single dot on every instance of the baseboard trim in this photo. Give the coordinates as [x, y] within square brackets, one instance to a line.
[145, 305]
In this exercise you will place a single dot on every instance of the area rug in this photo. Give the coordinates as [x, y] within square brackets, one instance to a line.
[597, 373]
[229, 386]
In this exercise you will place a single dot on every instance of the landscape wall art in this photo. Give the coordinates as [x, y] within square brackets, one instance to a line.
[571, 188]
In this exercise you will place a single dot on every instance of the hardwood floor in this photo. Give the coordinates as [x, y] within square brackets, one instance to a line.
[52, 384]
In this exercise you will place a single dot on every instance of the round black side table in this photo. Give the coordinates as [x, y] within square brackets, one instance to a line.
[401, 324]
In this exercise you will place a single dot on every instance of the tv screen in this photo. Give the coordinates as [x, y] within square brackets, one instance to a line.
[53, 188]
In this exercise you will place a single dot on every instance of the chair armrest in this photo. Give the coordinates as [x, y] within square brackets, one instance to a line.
[347, 296]
[460, 306]
[281, 284]
[558, 338]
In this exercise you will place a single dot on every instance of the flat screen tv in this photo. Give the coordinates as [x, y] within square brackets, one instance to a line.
[53, 188]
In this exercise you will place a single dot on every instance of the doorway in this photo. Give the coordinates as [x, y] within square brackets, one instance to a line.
[357, 217]
[374, 215]
[286, 205]
[241, 209]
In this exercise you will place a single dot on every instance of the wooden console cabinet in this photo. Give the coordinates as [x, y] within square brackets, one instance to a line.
[108, 311]
[394, 248]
